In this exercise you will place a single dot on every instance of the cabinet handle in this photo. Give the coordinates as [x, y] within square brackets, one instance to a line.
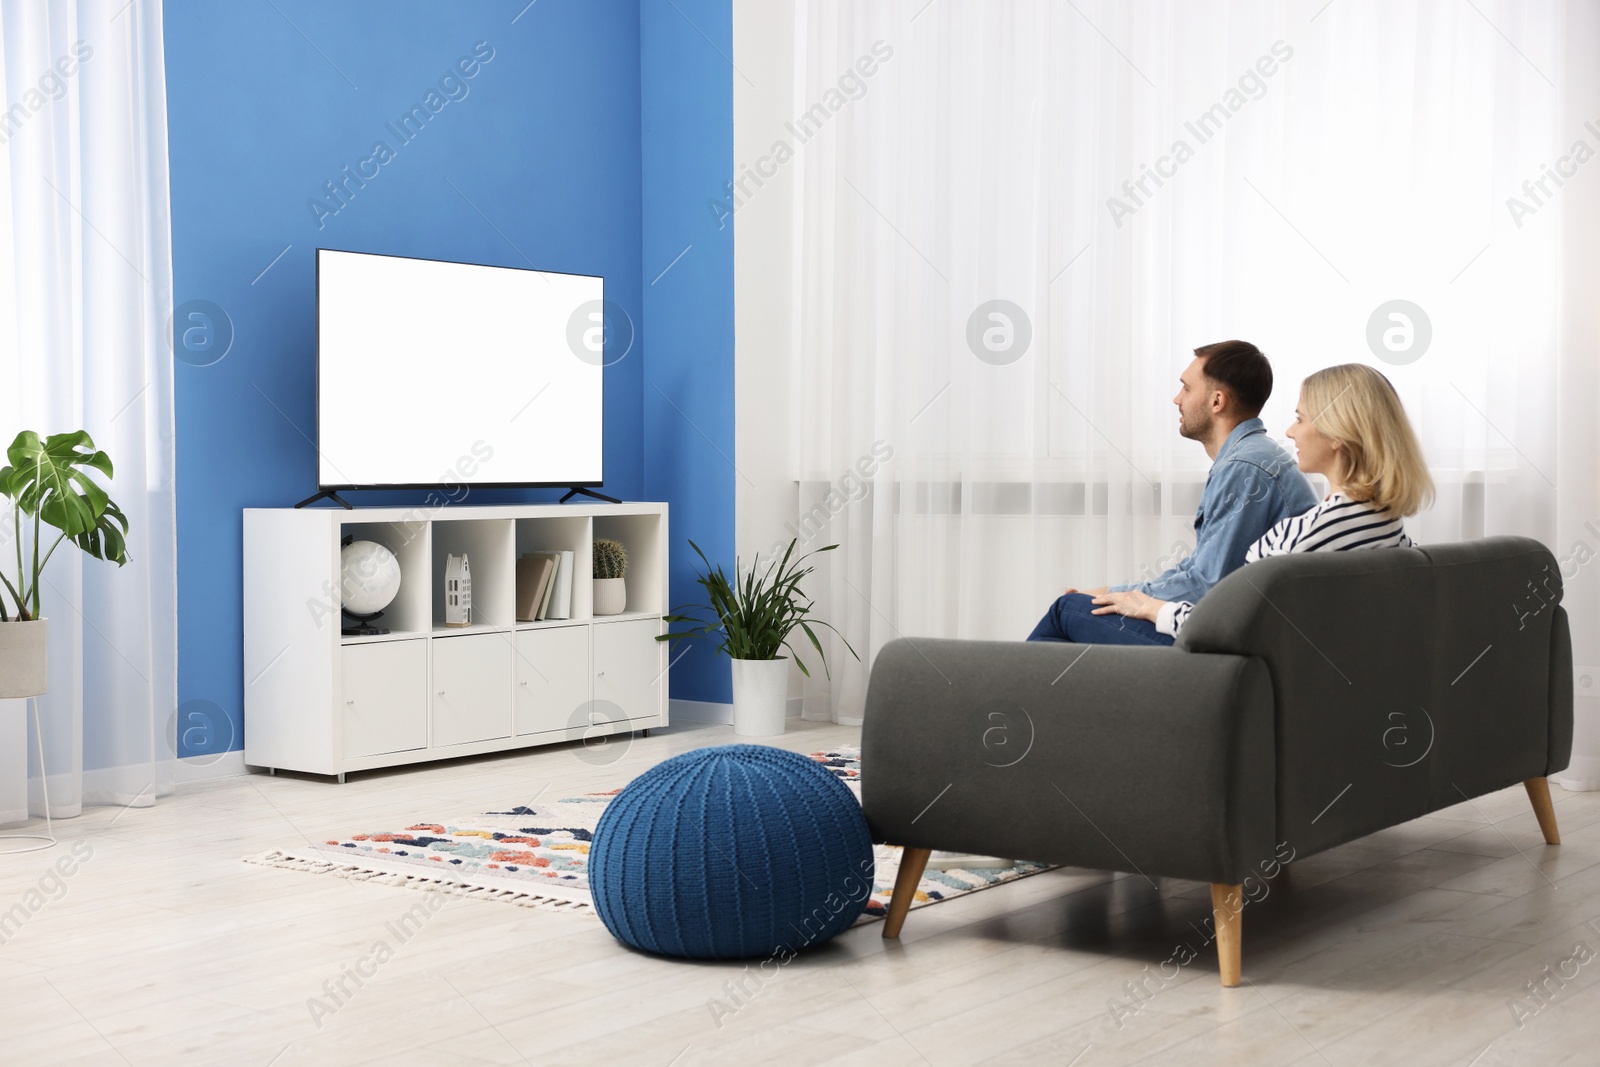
[441, 692]
[350, 702]
[599, 674]
[523, 683]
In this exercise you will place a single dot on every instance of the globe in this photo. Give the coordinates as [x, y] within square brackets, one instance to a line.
[370, 577]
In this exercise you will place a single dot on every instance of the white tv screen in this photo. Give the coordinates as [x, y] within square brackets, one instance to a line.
[432, 373]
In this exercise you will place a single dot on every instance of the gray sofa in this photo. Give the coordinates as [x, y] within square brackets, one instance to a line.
[1309, 700]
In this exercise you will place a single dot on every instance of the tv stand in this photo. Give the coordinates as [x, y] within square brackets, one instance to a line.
[331, 495]
[321, 700]
[578, 491]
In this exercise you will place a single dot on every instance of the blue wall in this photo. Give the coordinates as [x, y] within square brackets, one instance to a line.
[688, 310]
[535, 160]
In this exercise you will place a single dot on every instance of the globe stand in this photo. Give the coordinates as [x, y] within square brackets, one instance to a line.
[362, 624]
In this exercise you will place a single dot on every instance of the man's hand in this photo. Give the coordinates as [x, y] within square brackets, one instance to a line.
[1099, 590]
[1134, 604]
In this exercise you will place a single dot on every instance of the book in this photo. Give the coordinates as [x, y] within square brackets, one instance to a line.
[542, 601]
[561, 604]
[550, 586]
[533, 578]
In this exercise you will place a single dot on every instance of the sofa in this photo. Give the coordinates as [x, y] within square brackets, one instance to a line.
[1309, 700]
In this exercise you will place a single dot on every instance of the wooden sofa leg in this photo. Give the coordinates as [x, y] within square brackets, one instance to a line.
[1227, 909]
[1539, 792]
[913, 861]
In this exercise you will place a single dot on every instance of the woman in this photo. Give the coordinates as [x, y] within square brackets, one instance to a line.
[1350, 427]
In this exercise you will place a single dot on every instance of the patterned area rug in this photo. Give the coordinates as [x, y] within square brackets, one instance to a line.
[537, 855]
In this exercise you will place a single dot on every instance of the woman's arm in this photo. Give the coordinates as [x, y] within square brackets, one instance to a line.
[1168, 615]
[1132, 603]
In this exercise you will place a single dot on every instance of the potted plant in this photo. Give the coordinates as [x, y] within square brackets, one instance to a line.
[755, 615]
[48, 482]
[610, 567]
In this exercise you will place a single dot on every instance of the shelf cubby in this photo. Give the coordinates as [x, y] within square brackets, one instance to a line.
[561, 533]
[641, 536]
[487, 544]
[410, 612]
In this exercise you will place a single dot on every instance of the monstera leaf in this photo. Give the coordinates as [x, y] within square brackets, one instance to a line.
[48, 480]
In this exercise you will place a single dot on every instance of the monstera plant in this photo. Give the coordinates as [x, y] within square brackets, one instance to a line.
[53, 498]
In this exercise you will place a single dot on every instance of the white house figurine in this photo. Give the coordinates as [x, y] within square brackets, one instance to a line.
[457, 591]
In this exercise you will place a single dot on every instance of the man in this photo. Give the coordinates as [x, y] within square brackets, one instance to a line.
[1253, 484]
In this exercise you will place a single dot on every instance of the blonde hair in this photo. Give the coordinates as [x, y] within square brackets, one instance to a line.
[1380, 461]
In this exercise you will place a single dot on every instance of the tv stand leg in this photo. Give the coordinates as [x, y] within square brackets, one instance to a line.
[575, 491]
[329, 494]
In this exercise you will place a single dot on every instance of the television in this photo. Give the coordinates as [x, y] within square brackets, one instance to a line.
[433, 373]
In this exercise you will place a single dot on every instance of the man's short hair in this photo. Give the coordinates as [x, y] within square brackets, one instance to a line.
[1242, 371]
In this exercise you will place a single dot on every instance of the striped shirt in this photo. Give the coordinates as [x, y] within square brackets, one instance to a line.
[1338, 524]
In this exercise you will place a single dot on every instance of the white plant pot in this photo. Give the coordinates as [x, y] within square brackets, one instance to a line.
[24, 658]
[610, 596]
[760, 696]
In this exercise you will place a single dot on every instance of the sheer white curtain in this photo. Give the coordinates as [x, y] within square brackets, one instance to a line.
[85, 293]
[1577, 470]
[1135, 180]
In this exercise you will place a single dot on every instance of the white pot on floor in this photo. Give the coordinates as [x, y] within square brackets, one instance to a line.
[760, 696]
[24, 658]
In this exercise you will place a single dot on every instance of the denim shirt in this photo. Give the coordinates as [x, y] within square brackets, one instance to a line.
[1253, 484]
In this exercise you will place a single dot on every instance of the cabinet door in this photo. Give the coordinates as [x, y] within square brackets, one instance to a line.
[552, 679]
[385, 705]
[627, 667]
[472, 682]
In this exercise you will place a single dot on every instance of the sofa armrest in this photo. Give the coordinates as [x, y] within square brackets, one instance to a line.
[1149, 760]
[1560, 692]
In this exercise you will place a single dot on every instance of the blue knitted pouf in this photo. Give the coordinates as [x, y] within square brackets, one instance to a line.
[731, 853]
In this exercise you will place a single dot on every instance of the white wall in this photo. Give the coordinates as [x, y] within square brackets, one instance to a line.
[764, 501]
[763, 45]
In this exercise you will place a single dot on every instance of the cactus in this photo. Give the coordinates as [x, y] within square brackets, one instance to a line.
[610, 559]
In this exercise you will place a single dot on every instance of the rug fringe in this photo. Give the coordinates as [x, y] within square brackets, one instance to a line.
[358, 873]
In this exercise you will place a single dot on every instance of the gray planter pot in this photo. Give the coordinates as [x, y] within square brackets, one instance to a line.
[24, 658]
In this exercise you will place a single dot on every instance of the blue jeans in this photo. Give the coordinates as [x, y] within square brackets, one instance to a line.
[1072, 618]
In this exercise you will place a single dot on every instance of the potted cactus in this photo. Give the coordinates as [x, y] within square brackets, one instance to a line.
[47, 480]
[610, 568]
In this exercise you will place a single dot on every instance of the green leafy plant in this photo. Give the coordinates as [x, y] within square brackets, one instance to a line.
[48, 481]
[756, 612]
[610, 559]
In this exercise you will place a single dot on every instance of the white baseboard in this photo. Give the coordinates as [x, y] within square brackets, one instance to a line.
[201, 768]
[699, 711]
[721, 714]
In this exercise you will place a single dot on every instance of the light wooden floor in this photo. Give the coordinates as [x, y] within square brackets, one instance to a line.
[1407, 947]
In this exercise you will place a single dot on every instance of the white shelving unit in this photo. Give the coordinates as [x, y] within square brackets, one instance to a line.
[323, 703]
